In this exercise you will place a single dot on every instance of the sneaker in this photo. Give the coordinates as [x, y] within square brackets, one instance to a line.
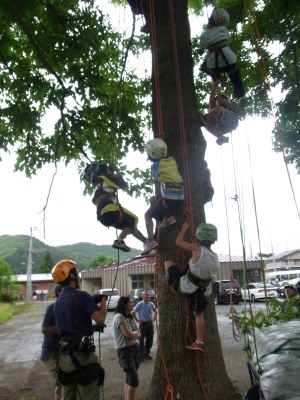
[120, 245]
[167, 221]
[195, 346]
[221, 140]
[151, 244]
[147, 357]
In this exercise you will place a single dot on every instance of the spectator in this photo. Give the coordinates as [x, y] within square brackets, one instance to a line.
[50, 346]
[126, 336]
[146, 312]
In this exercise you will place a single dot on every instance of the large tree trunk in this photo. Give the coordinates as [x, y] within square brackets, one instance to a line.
[176, 366]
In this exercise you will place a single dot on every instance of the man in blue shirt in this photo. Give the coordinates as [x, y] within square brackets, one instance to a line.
[79, 370]
[146, 312]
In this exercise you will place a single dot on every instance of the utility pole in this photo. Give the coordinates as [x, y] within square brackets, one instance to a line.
[29, 269]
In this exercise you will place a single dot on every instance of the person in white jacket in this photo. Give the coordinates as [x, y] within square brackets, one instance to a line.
[220, 57]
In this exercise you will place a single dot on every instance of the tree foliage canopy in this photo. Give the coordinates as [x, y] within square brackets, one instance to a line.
[65, 58]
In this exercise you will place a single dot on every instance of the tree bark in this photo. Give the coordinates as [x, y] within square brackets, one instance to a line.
[178, 369]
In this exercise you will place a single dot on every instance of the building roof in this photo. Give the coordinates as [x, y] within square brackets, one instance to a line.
[231, 258]
[133, 262]
[151, 259]
[283, 255]
[34, 278]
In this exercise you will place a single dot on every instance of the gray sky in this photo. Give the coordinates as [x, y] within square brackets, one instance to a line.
[70, 216]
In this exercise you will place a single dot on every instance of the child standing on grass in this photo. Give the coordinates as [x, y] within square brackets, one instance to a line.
[195, 280]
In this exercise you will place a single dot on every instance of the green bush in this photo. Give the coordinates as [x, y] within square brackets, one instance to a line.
[277, 312]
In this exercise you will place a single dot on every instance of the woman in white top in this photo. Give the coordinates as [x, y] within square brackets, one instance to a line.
[126, 336]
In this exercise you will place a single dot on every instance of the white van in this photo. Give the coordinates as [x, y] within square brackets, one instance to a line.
[113, 296]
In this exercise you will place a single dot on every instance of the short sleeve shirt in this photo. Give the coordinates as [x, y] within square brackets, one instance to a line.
[144, 310]
[73, 310]
[120, 340]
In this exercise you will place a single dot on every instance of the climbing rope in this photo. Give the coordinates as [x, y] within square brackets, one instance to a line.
[256, 38]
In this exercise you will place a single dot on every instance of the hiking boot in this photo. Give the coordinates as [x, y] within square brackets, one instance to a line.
[120, 245]
[150, 245]
[221, 140]
[195, 346]
[167, 221]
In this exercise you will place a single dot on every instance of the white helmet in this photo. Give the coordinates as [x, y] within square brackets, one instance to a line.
[156, 149]
[219, 17]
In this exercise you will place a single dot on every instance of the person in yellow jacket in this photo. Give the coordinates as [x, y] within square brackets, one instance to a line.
[109, 212]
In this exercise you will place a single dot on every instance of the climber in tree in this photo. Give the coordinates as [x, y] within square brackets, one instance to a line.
[220, 57]
[195, 280]
[110, 213]
[165, 172]
[223, 115]
[141, 7]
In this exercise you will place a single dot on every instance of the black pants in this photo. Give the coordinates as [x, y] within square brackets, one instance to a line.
[146, 339]
[234, 76]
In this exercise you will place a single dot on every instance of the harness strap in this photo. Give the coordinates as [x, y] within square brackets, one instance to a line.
[203, 283]
[172, 185]
[217, 46]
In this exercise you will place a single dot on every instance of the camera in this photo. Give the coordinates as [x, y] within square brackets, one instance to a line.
[98, 297]
[87, 345]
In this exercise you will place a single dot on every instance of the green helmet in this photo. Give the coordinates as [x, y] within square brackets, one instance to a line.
[207, 233]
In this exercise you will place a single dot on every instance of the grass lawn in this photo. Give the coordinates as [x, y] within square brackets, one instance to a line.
[7, 310]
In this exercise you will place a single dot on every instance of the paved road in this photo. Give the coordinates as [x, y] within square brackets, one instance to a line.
[21, 371]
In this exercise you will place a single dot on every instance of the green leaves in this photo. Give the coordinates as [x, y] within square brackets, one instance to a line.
[64, 59]
[278, 312]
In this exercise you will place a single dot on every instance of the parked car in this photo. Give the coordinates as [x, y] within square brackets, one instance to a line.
[294, 282]
[136, 295]
[113, 296]
[226, 291]
[256, 291]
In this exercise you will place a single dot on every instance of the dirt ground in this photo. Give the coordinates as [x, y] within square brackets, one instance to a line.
[23, 375]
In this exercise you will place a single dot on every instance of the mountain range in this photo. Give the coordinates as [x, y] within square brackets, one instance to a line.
[14, 250]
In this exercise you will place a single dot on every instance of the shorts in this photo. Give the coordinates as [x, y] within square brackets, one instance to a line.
[228, 121]
[161, 208]
[173, 276]
[197, 300]
[129, 220]
[129, 360]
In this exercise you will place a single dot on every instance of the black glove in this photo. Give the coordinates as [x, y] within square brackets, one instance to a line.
[98, 297]
[99, 328]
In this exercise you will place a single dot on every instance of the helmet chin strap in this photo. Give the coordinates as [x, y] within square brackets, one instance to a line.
[74, 277]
